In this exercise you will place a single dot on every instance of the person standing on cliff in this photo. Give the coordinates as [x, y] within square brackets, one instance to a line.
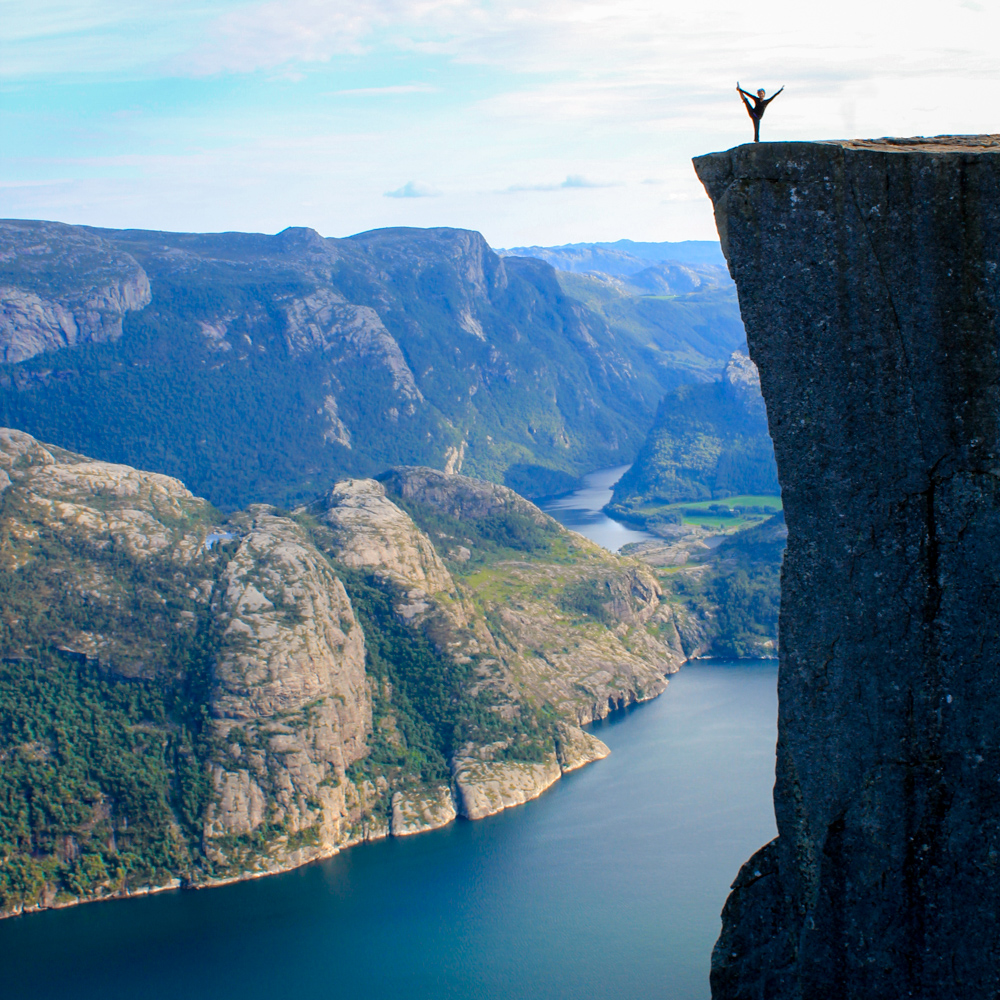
[759, 107]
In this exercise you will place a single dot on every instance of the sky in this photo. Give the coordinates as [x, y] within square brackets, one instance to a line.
[542, 122]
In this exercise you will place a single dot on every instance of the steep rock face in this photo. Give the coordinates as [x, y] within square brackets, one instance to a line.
[61, 286]
[118, 558]
[370, 533]
[867, 276]
[290, 703]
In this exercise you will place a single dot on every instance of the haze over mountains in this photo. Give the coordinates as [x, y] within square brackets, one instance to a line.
[623, 256]
[266, 367]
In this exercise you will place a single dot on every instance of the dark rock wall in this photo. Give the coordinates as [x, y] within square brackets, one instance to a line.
[868, 284]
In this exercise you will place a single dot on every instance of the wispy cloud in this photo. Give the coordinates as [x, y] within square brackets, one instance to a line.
[572, 181]
[412, 189]
[257, 114]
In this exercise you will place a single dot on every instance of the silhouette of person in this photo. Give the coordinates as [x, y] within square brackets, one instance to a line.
[759, 107]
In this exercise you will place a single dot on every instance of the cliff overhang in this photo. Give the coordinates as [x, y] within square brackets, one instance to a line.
[868, 285]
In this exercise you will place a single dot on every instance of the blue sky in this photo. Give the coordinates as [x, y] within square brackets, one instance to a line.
[543, 122]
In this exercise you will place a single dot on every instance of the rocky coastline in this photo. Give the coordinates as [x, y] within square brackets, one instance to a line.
[272, 633]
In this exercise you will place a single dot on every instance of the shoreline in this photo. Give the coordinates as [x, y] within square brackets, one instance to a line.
[380, 832]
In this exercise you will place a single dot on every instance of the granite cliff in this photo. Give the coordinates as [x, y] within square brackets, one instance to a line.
[187, 698]
[867, 278]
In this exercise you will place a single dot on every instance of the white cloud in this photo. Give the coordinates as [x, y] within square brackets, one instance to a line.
[572, 181]
[512, 95]
[411, 189]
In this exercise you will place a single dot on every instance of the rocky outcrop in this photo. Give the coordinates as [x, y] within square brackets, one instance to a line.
[310, 680]
[577, 748]
[290, 703]
[107, 545]
[486, 787]
[290, 706]
[586, 633]
[78, 288]
[420, 811]
[326, 321]
[487, 783]
[868, 283]
[460, 496]
[370, 532]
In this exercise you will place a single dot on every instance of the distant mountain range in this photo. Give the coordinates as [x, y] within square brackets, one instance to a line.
[623, 257]
[264, 368]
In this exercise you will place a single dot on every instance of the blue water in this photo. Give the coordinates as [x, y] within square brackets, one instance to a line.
[582, 511]
[608, 886]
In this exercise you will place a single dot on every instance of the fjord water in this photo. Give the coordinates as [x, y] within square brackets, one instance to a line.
[582, 511]
[609, 885]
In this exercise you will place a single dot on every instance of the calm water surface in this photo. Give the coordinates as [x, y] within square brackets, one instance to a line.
[582, 511]
[608, 886]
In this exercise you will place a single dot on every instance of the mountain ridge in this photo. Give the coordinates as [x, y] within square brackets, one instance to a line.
[298, 359]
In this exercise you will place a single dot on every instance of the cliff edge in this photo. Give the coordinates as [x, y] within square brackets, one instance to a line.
[868, 284]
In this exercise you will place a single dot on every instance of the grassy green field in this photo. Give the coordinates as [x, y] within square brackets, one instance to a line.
[728, 514]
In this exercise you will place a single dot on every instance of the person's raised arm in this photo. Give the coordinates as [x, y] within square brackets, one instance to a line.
[773, 96]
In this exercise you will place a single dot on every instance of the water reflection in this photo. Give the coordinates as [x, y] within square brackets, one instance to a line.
[582, 511]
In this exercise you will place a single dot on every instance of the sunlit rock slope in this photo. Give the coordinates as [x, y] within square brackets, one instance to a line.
[187, 698]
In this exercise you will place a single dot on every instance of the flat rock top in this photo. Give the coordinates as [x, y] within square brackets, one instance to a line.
[924, 144]
[761, 154]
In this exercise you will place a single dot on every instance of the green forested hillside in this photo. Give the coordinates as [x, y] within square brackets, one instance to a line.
[708, 441]
[266, 367]
[741, 590]
[679, 328]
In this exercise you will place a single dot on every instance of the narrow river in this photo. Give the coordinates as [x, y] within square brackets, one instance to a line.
[608, 886]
